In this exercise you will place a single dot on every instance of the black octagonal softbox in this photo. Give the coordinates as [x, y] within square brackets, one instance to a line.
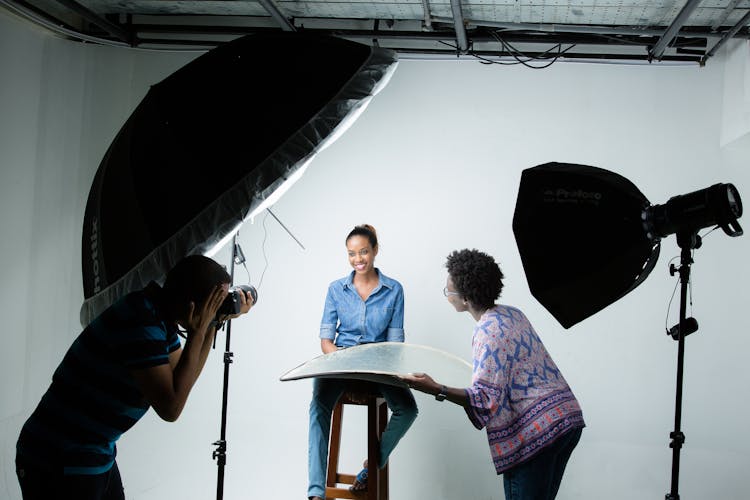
[581, 237]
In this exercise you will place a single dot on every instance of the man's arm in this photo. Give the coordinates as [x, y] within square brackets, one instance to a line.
[166, 387]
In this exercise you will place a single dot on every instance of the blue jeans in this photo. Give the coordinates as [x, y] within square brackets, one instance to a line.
[540, 477]
[326, 392]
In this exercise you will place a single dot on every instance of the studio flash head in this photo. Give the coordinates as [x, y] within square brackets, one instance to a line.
[718, 205]
[232, 302]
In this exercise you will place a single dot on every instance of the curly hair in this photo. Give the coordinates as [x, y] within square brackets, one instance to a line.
[476, 276]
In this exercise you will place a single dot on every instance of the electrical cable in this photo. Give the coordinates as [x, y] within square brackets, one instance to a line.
[263, 250]
[690, 282]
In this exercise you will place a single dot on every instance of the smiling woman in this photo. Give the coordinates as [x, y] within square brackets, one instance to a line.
[362, 308]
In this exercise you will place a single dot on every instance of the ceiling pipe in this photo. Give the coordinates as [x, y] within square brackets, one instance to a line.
[278, 16]
[729, 34]
[687, 10]
[458, 22]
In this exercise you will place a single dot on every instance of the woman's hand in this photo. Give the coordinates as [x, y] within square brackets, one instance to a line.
[421, 382]
[327, 346]
[424, 383]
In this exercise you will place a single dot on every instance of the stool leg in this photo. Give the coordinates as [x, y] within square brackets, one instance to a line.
[382, 473]
[377, 418]
[335, 443]
[373, 449]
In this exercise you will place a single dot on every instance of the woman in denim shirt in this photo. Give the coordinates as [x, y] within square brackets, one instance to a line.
[365, 306]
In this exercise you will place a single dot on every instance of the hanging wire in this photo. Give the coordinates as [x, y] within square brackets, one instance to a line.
[690, 281]
[239, 256]
[671, 298]
[263, 250]
[523, 58]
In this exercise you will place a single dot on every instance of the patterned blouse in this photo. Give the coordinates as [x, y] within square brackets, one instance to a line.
[517, 392]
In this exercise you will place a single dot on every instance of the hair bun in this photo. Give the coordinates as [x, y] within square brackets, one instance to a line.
[367, 231]
[369, 228]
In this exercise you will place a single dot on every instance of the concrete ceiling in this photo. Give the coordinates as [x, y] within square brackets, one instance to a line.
[533, 32]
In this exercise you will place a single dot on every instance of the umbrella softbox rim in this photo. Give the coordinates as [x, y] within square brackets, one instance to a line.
[227, 212]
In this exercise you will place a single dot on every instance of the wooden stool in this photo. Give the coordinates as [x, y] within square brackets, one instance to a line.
[377, 417]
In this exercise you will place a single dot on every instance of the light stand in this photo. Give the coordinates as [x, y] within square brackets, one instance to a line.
[687, 241]
[220, 453]
[613, 236]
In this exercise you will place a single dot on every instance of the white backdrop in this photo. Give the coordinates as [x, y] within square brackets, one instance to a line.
[434, 165]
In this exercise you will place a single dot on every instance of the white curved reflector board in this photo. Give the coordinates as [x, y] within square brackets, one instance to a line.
[383, 362]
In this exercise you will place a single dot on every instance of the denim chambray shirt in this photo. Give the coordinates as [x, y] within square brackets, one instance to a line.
[380, 318]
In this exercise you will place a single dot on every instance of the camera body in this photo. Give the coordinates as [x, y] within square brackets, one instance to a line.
[233, 302]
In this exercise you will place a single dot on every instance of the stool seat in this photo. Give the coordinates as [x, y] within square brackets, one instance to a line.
[363, 394]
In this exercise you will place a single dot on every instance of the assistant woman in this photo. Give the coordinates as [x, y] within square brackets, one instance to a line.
[364, 307]
[517, 393]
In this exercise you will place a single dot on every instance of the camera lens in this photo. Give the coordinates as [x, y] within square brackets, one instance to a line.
[251, 289]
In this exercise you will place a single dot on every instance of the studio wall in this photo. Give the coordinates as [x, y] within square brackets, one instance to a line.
[434, 164]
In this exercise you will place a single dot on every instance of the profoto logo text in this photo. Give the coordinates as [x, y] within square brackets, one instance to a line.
[562, 195]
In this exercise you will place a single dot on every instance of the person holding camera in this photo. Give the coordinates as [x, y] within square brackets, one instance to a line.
[126, 360]
[364, 307]
[533, 420]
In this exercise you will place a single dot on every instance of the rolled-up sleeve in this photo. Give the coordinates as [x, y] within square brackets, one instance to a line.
[395, 332]
[488, 394]
[485, 401]
[330, 317]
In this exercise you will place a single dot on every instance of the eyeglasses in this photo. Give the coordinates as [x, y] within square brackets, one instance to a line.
[448, 293]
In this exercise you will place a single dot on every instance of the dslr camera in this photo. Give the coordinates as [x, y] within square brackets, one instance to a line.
[232, 302]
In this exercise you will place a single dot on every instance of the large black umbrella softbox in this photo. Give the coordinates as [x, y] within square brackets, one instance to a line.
[210, 143]
[581, 236]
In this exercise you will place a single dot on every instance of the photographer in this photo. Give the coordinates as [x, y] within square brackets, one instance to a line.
[125, 360]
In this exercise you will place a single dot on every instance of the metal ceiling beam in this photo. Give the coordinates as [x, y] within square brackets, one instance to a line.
[94, 18]
[575, 28]
[724, 15]
[541, 57]
[458, 22]
[406, 52]
[478, 36]
[276, 13]
[54, 25]
[729, 34]
[687, 10]
[427, 15]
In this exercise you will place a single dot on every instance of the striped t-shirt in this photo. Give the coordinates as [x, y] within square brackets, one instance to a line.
[93, 399]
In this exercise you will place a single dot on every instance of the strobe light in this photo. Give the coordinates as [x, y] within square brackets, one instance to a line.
[588, 236]
[718, 205]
